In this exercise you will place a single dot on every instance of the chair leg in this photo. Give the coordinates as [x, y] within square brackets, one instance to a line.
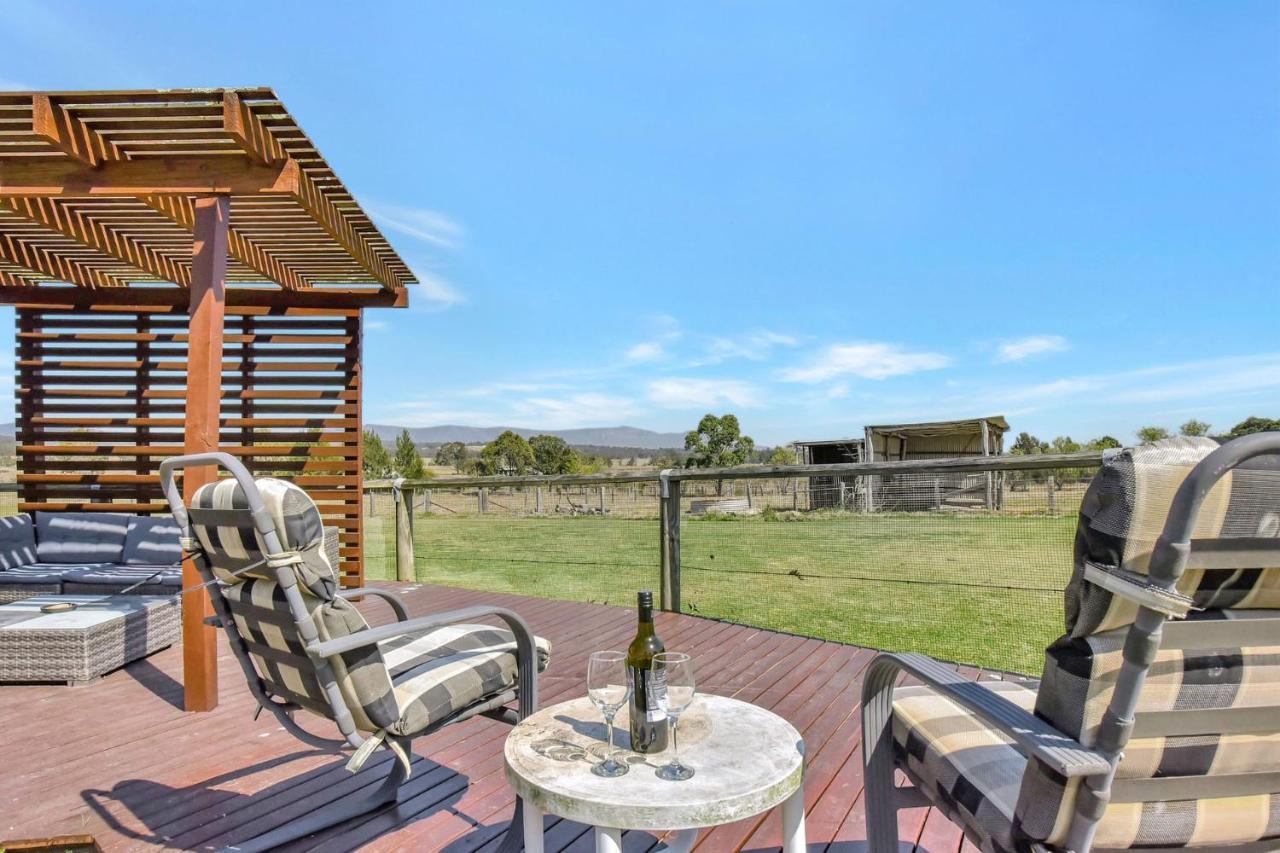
[514, 839]
[331, 815]
[877, 753]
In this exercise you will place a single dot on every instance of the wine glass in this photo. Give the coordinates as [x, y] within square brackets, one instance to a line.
[608, 689]
[674, 671]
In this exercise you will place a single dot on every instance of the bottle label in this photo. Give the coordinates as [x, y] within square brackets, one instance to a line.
[653, 687]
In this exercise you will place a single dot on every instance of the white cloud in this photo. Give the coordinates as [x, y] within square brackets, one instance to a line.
[1017, 350]
[490, 389]
[435, 290]
[429, 226]
[647, 351]
[576, 410]
[702, 393]
[866, 359]
[754, 346]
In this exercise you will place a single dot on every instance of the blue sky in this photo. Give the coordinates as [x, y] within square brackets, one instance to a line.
[815, 215]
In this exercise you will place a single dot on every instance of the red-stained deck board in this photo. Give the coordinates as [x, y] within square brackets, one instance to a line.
[119, 760]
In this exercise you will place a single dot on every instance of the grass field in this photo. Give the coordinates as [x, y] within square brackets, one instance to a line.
[977, 588]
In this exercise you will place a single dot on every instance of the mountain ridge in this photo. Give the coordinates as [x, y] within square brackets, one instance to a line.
[619, 436]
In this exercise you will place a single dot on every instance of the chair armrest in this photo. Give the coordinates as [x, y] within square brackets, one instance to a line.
[402, 615]
[1030, 734]
[526, 653]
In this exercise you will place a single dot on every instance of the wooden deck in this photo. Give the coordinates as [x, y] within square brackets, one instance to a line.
[119, 760]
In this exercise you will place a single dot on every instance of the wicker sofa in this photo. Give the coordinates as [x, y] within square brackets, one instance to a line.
[56, 553]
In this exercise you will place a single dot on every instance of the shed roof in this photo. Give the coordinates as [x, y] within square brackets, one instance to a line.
[97, 189]
[942, 427]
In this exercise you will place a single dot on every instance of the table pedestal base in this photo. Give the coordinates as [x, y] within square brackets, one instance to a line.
[609, 839]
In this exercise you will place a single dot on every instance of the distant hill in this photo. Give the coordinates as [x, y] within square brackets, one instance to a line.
[621, 436]
[7, 430]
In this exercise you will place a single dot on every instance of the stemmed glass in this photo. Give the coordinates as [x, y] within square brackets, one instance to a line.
[676, 669]
[608, 689]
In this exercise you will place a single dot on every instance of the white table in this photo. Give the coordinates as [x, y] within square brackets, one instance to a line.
[747, 760]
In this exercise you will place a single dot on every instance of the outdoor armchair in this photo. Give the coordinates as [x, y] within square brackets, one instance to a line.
[1156, 723]
[259, 545]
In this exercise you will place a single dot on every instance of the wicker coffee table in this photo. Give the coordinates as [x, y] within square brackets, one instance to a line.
[104, 633]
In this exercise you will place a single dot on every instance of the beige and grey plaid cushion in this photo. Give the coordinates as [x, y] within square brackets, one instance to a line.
[1079, 677]
[404, 685]
[1123, 513]
[971, 772]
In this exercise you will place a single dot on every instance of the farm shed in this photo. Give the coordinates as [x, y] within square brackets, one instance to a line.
[830, 491]
[935, 440]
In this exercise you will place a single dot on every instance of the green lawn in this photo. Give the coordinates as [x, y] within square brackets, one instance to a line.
[975, 588]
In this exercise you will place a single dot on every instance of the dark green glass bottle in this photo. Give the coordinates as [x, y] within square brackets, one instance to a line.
[648, 719]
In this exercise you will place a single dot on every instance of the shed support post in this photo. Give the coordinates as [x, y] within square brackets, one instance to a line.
[403, 500]
[990, 497]
[669, 531]
[200, 435]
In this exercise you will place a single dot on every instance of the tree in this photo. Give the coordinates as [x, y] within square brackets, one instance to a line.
[782, 455]
[1248, 426]
[1152, 434]
[718, 443]
[1194, 428]
[1103, 442]
[552, 455]
[377, 462]
[1027, 444]
[1064, 444]
[407, 462]
[508, 453]
[453, 453]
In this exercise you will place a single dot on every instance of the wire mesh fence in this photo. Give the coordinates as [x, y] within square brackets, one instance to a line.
[578, 542]
[964, 565]
[910, 562]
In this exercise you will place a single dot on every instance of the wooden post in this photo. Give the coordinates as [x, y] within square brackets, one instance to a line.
[937, 493]
[537, 500]
[749, 503]
[669, 531]
[600, 494]
[990, 499]
[200, 435]
[1053, 496]
[795, 493]
[482, 500]
[403, 499]
[426, 501]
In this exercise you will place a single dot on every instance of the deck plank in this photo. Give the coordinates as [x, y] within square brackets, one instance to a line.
[129, 767]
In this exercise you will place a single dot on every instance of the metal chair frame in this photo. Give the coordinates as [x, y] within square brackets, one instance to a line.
[321, 653]
[1174, 552]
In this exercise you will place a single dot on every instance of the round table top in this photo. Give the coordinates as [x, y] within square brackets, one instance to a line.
[746, 760]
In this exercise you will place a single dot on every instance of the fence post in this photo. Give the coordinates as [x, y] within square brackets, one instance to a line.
[482, 499]
[669, 531]
[1053, 496]
[795, 494]
[403, 500]
[600, 496]
[749, 503]
[937, 493]
[537, 500]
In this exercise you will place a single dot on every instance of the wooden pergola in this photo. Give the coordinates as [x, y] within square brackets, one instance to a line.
[189, 275]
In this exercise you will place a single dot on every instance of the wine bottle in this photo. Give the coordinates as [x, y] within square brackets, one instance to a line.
[648, 719]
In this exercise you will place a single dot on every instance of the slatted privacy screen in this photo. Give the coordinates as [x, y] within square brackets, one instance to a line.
[101, 400]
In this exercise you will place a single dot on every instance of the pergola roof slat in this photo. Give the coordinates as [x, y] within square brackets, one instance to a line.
[109, 180]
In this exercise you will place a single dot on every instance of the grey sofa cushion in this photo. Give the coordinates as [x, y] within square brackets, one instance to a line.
[152, 541]
[45, 573]
[123, 576]
[80, 537]
[17, 541]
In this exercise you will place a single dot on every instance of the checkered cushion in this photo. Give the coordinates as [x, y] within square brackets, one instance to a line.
[1123, 514]
[233, 547]
[971, 772]
[1079, 677]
